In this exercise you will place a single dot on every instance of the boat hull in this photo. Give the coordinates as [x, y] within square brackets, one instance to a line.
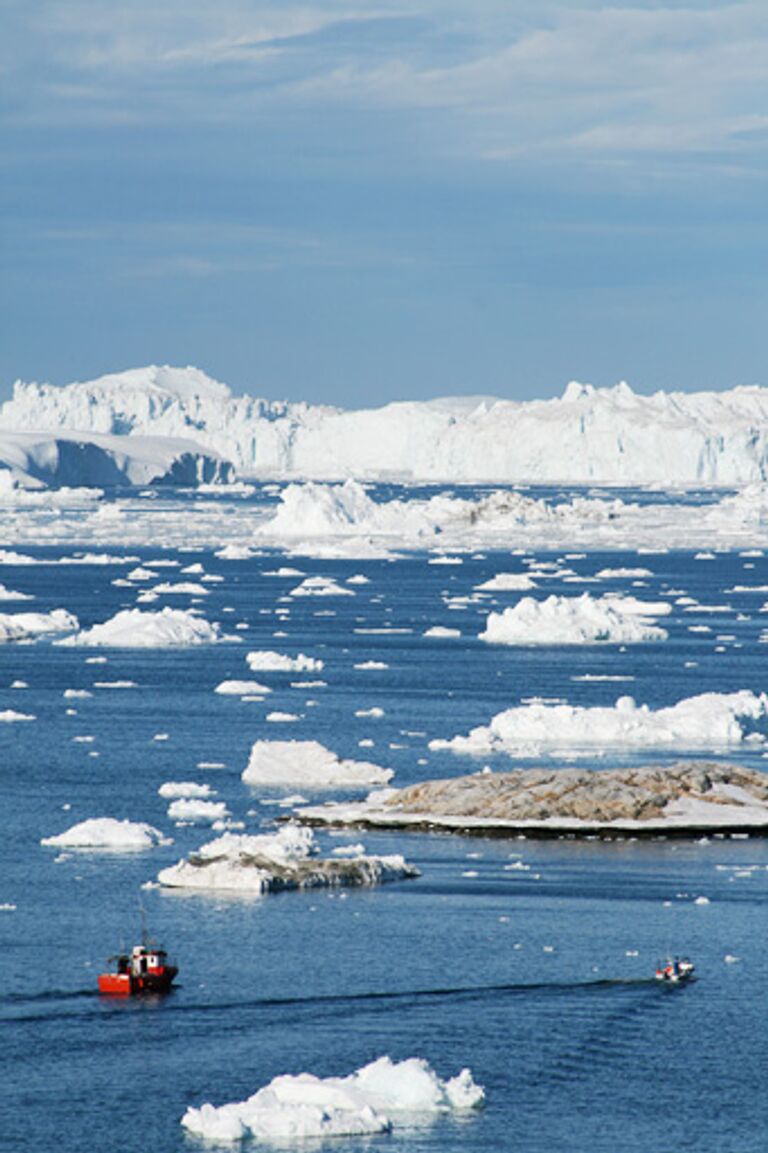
[127, 985]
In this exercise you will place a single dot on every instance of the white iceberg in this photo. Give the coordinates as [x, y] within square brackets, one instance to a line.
[707, 721]
[277, 662]
[588, 434]
[242, 688]
[106, 833]
[383, 1095]
[7, 594]
[170, 790]
[180, 588]
[507, 582]
[583, 620]
[319, 586]
[270, 862]
[23, 626]
[132, 628]
[190, 810]
[310, 764]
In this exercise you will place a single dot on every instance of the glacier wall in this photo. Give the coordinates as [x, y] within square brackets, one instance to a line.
[588, 435]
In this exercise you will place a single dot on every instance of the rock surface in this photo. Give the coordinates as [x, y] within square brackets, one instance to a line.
[690, 795]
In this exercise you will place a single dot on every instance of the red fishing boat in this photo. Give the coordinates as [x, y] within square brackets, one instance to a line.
[144, 970]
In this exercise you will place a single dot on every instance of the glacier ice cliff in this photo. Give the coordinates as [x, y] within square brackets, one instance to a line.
[587, 435]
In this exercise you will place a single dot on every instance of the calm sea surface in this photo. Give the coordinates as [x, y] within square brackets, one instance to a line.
[539, 978]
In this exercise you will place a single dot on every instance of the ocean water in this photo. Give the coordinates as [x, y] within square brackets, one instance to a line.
[539, 978]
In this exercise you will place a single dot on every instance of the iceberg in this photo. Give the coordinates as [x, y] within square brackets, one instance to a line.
[171, 790]
[132, 628]
[68, 458]
[588, 435]
[310, 764]
[383, 1095]
[106, 833]
[23, 626]
[190, 810]
[268, 661]
[242, 688]
[271, 862]
[583, 620]
[706, 721]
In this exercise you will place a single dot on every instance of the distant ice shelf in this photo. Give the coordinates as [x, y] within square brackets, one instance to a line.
[587, 435]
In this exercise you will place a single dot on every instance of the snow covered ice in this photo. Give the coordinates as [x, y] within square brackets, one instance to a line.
[587, 435]
[22, 626]
[132, 628]
[383, 1095]
[308, 764]
[580, 620]
[279, 662]
[261, 863]
[106, 833]
[706, 721]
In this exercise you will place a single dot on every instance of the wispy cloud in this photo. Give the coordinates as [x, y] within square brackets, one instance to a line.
[500, 81]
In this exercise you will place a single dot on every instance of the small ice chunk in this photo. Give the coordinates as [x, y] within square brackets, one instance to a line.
[108, 834]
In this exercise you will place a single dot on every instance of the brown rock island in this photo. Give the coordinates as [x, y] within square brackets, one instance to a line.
[685, 799]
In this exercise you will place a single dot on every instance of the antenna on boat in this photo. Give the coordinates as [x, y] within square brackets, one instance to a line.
[144, 932]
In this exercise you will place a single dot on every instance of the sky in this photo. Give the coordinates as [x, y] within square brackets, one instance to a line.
[352, 203]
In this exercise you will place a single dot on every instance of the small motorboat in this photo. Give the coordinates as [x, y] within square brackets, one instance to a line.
[144, 970]
[675, 970]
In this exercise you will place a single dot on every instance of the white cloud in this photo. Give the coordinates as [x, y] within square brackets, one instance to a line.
[501, 80]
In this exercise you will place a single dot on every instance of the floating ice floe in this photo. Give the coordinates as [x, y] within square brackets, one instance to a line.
[236, 552]
[24, 626]
[319, 586]
[132, 628]
[180, 588]
[7, 594]
[507, 582]
[309, 764]
[170, 790]
[583, 620]
[273, 861]
[381, 1096]
[706, 721]
[607, 574]
[278, 662]
[242, 688]
[107, 833]
[10, 716]
[441, 631]
[190, 810]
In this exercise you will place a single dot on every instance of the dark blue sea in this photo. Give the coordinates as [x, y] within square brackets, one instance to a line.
[540, 979]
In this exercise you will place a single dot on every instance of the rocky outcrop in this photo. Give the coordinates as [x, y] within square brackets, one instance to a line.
[682, 798]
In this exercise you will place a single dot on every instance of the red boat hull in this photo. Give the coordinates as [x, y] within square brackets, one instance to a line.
[126, 985]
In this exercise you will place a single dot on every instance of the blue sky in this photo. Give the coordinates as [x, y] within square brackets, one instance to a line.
[359, 202]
